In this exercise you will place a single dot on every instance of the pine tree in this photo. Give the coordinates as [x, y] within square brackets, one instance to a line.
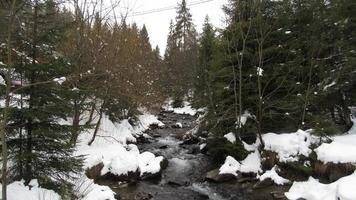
[39, 142]
[203, 89]
[181, 53]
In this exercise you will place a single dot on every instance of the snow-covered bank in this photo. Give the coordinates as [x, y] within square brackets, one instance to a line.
[289, 149]
[86, 189]
[186, 109]
[343, 189]
[19, 191]
[289, 146]
[111, 148]
[342, 149]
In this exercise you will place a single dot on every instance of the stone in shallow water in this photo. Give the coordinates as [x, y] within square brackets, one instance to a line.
[214, 176]
[263, 184]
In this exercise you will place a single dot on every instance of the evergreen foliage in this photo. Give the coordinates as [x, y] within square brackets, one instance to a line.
[278, 61]
[181, 54]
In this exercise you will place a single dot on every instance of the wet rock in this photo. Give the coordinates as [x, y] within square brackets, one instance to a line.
[143, 196]
[178, 183]
[263, 184]
[177, 125]
[94, 172]
[163, 147]
[155, 135]
[154, 126]
[194, 149]
[164, 164]
[246, 186]
[242, 179]
[214, 176]
[142, 140]
[204, 134]
[189, 139]
[117, 197]
[203, 148]
[278, 195]
[109, 178]
[203, 196]
[335, 175]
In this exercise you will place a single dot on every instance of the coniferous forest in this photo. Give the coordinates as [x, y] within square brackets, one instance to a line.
[261, 108]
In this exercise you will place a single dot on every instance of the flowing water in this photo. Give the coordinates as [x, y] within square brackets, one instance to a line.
[184, 178]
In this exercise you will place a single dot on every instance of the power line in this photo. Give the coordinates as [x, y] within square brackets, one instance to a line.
[167, 8]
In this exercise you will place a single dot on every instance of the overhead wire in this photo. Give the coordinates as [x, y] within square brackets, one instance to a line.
[167, 8]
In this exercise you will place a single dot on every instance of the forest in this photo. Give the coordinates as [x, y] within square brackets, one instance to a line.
[261, 108]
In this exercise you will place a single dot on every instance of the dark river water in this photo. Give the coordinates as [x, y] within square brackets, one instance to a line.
[184, 178]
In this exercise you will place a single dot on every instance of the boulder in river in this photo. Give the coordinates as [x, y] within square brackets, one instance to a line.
[263, 184]
[95, 174]
[143, 196]
[163, 165]
[214, 176]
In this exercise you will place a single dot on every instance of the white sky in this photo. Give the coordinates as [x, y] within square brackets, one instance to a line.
[158, 23]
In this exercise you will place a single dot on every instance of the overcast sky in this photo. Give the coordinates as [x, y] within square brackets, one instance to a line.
[158, 23]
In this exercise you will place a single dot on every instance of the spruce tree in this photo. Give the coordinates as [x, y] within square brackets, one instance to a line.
[39, 141]
[181, 53]
[203, 78]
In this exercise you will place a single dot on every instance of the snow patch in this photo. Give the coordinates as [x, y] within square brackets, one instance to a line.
[230, 137]
[341, 150]
[18, 190]
[243, 119]
[343, 189]
[179, 125]
[149, 163]
[274, 176]
[259, 71]
[202, 146]
[252, 163]
[88, 190]
[289, 146]
[186, 109]
[60, 80]
[231, 166]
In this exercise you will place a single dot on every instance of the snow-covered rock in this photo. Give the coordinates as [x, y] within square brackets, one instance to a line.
[178, 125]
[251, 164]
[124, 164]
[343, 189]
[149, 165]
[289, 146]
[230, 166]
[110, 156]
[216, 176]
[274, 176]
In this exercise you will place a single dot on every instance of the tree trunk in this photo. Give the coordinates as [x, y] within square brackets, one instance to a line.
[3, 130]
[101, 112]
[92, 110]
[75, 124]
[346, 113]
[28, 162]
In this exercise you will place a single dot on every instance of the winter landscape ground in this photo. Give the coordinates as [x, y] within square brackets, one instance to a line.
[261, 108]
